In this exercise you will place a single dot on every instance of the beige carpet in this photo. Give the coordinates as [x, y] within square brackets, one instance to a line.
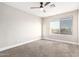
[43, 48]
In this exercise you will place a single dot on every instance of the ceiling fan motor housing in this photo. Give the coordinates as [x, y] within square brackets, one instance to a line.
[41, 4]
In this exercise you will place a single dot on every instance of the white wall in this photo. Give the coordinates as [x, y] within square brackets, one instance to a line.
[78, 25]
[67, 38]
[17, 26]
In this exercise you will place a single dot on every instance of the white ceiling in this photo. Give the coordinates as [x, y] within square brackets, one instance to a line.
[61, 7]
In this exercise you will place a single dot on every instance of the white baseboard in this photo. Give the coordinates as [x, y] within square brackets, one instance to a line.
[12, 46]
[35, 39]
[62, 41]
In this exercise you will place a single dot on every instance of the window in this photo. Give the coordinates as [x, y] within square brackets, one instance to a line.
[61, 26]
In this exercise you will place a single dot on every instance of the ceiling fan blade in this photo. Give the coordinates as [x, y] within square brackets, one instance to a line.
[35, 7]
[46, 3]
[52, 5]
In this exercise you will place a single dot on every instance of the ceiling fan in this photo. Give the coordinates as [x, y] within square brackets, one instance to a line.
[43, 5]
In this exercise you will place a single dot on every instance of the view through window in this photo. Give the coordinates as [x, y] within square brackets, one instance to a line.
[61, 26]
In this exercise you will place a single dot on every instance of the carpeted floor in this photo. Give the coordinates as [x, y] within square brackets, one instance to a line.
[43, 48]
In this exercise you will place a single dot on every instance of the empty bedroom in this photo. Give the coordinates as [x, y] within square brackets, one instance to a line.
[39, 29]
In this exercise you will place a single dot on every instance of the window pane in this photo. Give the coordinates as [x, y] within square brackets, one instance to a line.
[55, 27]
[66, 26]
